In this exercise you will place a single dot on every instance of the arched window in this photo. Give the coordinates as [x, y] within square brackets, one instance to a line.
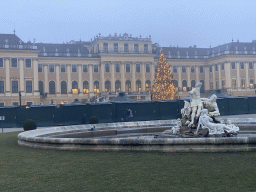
[63, 86]
[193, 84]
[251, 84]
[85, 87]
[175, 83]
[41, 87]
[138, 86]
[51, 87]
[74, 87]
[128, 86]
[202, 86]
[107, 86]
[243, 83]
[148, 85]
[117, 86]
[96, 87]
[184, 85]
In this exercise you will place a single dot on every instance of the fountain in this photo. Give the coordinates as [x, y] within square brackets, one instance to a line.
[200, 129]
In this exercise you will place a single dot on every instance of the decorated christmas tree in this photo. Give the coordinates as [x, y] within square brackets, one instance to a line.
[163, 88]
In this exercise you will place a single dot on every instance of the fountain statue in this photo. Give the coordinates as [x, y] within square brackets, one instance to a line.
[198, 118]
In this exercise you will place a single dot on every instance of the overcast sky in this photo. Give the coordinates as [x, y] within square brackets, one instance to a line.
[169, 22]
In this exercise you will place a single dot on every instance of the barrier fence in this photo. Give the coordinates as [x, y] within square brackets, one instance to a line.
[69, 114]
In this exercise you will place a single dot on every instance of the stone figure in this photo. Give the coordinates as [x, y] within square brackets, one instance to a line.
[205, 122]
[185, 112]
[211, 105]
[195, 103]
[176, 129]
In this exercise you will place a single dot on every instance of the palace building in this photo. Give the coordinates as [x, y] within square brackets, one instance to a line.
[99, 69]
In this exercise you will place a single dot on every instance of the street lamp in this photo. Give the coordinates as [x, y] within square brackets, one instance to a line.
[20, 97]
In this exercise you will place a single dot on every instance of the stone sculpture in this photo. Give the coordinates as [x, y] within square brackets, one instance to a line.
[198, 118]
[195, 103]
[206, 122]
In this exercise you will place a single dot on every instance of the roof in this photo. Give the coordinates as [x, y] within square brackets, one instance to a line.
[122, 98]
[219, 94]
[11, 39]
[62, 49]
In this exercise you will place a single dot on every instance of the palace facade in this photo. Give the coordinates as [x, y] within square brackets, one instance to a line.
[97, 70]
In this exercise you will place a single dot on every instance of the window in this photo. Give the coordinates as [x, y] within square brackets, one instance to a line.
[136, 48]
[222, 66]
[126, 48]
[41, 87]
[138, 68]
[63, 86]
[63, 68]
[193, 84]
[211, 85]
[117, 68]
[117, 86]
[115, 47]
[105, 47]
[233, 65]
[233, 84]
[29, 86]
[202, 86]
[217, 84]
[184, 85]
[174, 69]
[201, 69]
[107, 86]
[14, 62]
[1, 86]
[183, 69]
[128, 68]
[243, 83]
[241, 65]
[85, 87]
[40, 68]
[216, 67]
[250, 65]
[193, 69]
[156, 69]
[148, 85]
[145, 48]
[74, 87]
[175, 83]
[223, 84]
[96, 86]
[251, 84]
[95, 68]
[1, 62]
[85, 69]
[51, 68]
[210, 68]
[28, 63]
[147, 68]
[74, 70]
[51, 87]
[128, 86]
[138, 86]
[14, 86]
[107, 70]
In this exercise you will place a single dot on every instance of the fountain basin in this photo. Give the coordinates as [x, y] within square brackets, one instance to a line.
[133, 136]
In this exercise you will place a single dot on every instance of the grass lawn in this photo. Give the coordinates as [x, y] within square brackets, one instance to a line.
[28, 169]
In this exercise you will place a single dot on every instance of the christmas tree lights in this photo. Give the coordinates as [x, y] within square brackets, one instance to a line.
[163, 88]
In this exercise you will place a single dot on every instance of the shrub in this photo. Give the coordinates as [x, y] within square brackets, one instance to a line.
[93, 120]
[29, 125]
